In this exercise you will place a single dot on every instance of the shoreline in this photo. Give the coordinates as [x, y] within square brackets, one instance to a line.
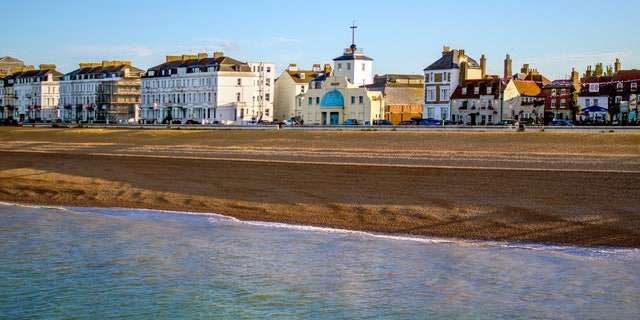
[540, 194]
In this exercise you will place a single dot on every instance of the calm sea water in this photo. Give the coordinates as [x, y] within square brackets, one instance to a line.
[77, 263]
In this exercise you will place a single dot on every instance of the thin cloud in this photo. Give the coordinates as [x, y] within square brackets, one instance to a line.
[284, 39]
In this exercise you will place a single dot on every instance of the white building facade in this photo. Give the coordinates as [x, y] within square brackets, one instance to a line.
[80, 89]
[441, 79]
[37, 94]
[207, 90]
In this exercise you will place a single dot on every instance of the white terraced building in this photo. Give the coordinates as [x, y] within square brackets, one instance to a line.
[207, 90]
[100, 92]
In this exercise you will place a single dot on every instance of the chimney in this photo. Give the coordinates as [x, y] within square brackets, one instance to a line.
[589, 72]
[47, 67]
[202, 55]
[461, 53]
[463, 72]
[575, 78]
[218, 55]
[327, 69]
[616, 67]
[507, 67]
[292, 67]
[173, 58]
[483, 66]
[316, 67]
[445, 50]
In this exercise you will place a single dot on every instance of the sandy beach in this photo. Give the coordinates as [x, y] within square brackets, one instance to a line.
[543, 187]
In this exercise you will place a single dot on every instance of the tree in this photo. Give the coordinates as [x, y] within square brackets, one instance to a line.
[574, 107]
[598, 71]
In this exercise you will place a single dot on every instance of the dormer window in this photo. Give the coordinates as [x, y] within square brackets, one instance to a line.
[619, 86]
[464, 90]
[634, 86]
[488, 90]
[594, 87]
[476, 90]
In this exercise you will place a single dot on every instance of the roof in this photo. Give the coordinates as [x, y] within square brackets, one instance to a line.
[8, 59]
[404, 95]
[482, 84]
[451, 60]
[223, 63]
[626, 75]
[309, 75]
[527, 88]
[563, 83]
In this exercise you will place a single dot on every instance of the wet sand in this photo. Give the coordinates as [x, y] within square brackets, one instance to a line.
[544, 187]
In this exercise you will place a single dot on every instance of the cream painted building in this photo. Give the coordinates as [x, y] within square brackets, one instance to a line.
[291, 87]
[332, 100]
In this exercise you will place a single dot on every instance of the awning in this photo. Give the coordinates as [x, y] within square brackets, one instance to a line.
[594, 109]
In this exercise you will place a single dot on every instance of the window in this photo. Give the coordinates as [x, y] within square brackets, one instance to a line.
[594, 87]
[587, 103]
[268, 70]
[431, 94]
[348, 65]
[302, 89]
[634, 86]
[364, 67]
[553, 92]
[464, 90]
[619, 85]
[444, 76]
[360, 99]
[618, 99]
[476, 90]
[553, 104]
[444, 94]
[489, 90]
[310, 100]
[595, 102]
[563, 103]
[318, 100]
[239, 81]
[353, 99]
[431, 77]
[339, 66]
[267, 96]
[238, 97]
[563, 91]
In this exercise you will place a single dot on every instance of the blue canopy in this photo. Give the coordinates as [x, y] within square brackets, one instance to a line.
[594, 109]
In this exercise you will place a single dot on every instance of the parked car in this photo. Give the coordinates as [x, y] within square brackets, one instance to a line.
[350, 122]
[192, 121]
[408, 123]
[429, 122]
[560, 123]
[382, 122]
[507, 122]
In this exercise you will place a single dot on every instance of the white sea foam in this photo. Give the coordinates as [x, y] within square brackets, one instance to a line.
[632, 254]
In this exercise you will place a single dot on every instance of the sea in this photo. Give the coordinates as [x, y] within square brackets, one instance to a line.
[97, 263]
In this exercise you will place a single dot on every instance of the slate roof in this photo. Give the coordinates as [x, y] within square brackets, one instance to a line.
[223, 63]
[451, 60]
[482, 84]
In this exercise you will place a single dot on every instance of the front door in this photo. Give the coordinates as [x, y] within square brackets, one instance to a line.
[334, 118]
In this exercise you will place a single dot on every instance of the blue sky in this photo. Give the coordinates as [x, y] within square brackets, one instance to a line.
[401, 36]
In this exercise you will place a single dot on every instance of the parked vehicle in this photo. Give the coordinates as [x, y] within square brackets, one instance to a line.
[350, 122]
[408, 123]
[382, 122]
[507, 122]
[560, 123]
[429, 122]
[192, 121]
